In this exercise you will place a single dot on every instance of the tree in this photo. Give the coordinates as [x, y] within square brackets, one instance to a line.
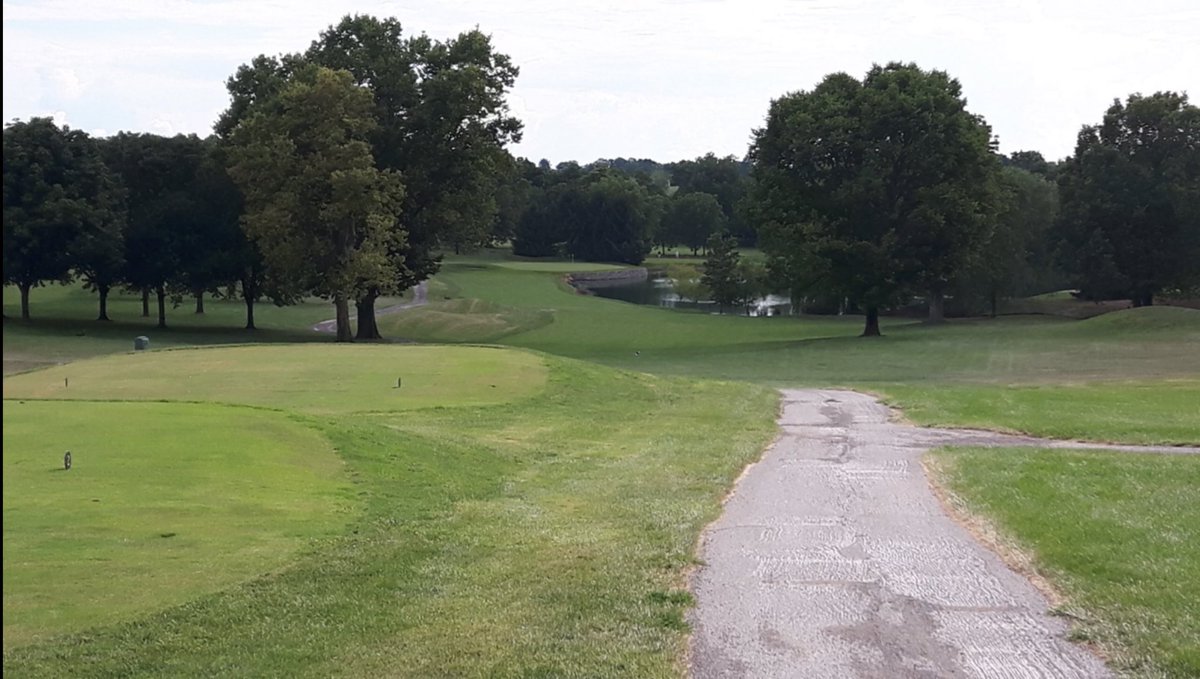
[159, 175]
[61, 207]
[601, 216]
[888, 182]
[1016, 258]
[610, 218]
[1130, 219]
[97, 253]
[691, 218]
[319, 210]
[443, 122]
[721, 270]
[726, 179]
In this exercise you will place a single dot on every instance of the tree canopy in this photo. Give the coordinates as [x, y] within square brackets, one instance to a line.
[442, 122]
[1130, 220]
[887, 182]
[62, 208]
[321, 212]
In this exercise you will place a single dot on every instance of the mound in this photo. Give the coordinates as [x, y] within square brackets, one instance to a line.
[464, 320]
[1152, 319]
[312, 378]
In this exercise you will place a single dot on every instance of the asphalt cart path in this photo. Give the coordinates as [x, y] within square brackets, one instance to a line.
[834, 558]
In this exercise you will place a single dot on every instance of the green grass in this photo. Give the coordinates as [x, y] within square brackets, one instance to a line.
[559, 267]
[1164, 412]
[1118, 534]
[546, 536]
[310, 378]
[1126, 376]
[605, 330]
[163, 503]
[64, 326]
[541, 527]
[470, 320]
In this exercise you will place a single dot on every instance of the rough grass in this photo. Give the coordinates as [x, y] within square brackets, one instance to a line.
[466, 320]
[309, 378]
[1118, 534]
[1164, 413]
[163, 503]
[547, 536]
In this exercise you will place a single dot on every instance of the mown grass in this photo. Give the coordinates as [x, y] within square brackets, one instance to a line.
[1117, 533]
[163, 503]
[64, 327]
[310, 378]
[547, 536]
[1154, 413]
[1005, 373]
[604, 330]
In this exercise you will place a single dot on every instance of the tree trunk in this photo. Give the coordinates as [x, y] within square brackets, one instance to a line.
[250, 313]
[368, 328]
[103, 290]
[161, 292]
[145, 302]
[343, 319]
[24, 300]
[200, 302]
[995, 299]
[937, 307]
[872, 327]
[249, 294]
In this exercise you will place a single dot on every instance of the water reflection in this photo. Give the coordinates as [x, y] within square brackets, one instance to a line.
[660, 291]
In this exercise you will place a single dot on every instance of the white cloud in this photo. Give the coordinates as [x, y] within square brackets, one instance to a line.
[622, 77]
[67, 83]
[161, 126]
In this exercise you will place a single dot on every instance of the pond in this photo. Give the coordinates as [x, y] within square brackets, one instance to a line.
[658, 290]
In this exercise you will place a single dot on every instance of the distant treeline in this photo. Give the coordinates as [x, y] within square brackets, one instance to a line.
[343, 170]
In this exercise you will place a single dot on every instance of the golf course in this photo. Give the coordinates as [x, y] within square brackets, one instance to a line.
[519, 490]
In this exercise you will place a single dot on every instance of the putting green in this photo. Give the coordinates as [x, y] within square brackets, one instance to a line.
[164, 502]
[312, 378]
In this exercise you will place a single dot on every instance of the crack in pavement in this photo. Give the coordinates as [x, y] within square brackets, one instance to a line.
[833, 558]
[420, 293]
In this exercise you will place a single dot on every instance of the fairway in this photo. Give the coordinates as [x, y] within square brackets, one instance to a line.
[305, 378]
[163, 503]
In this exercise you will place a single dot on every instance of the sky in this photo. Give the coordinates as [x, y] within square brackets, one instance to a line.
[666, 79]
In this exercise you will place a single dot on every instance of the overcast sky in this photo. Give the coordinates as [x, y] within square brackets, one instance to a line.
[665, 80]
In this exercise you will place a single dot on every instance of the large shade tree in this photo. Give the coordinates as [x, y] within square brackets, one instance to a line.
[321, 212]
[1130, 218]
[164, 210]
[62, 209]
[888, 183]
[443, 122]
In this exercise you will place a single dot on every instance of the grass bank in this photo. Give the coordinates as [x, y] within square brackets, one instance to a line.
[1117, 533]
